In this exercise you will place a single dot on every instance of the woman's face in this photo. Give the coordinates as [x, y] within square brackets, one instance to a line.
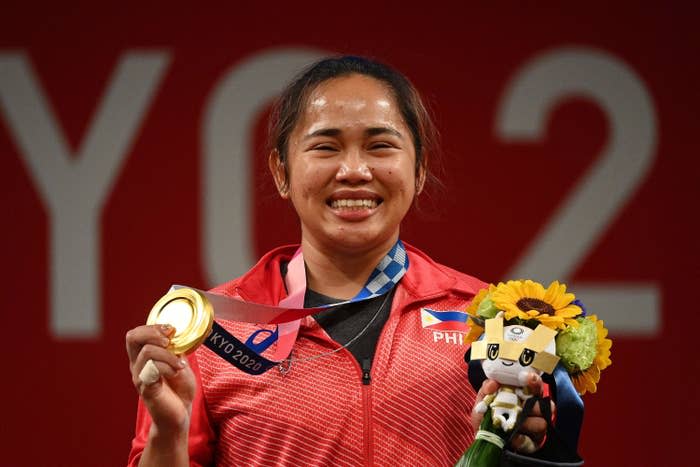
[351, 166]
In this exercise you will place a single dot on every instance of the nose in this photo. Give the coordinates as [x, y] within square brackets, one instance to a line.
[354, 168]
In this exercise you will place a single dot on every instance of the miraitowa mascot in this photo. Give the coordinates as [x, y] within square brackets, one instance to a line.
[510, 355]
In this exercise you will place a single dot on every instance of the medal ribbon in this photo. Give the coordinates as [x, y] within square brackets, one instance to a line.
[247, 356]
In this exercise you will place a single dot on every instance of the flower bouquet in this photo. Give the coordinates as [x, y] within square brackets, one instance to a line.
[520, 328]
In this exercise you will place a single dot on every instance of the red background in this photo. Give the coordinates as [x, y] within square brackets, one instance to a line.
[70, 401]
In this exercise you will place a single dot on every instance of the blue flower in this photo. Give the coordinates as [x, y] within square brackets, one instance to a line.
[579, 303]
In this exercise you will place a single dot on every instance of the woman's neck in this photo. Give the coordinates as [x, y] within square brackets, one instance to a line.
[340, 274]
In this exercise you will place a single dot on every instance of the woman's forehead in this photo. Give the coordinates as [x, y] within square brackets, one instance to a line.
[354, 99]
[350, 90]
[352, 80]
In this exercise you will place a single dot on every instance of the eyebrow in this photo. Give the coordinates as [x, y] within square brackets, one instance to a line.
[374, 131]
[383, 130]
[323, 132]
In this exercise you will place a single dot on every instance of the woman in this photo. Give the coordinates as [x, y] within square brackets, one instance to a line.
[366, 383]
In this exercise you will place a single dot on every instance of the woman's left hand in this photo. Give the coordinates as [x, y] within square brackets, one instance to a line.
[532, 432]
[531, 435]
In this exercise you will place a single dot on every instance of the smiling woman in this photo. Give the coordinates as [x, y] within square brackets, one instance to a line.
[351, 174]
[368, 381]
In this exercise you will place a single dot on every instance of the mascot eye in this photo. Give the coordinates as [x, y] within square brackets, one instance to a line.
[527, 357]
[493, 351]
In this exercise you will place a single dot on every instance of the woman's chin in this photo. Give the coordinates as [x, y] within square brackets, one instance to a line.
[361, 238]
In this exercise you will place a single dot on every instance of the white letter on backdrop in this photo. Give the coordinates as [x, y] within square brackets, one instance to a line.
[599, 196]
[227, 132]
[75, 188]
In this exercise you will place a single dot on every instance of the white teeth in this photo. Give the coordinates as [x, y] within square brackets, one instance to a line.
[354, 204]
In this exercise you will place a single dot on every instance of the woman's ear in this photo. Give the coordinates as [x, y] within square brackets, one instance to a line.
[279, 173]
[420, 178]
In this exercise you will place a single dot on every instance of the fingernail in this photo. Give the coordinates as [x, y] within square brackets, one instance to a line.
[166, 328]
[182, 363]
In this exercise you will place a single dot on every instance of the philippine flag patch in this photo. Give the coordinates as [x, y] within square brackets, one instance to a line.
[444, 320]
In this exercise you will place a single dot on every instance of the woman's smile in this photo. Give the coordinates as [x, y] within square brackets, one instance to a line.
[354, 205]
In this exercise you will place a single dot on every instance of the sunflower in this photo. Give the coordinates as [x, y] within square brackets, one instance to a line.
[476, 329]
[481, 305]
[587, 380]
[478, 298]
[528, 300]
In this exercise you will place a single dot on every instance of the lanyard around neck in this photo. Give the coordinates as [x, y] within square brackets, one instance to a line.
[247, 356]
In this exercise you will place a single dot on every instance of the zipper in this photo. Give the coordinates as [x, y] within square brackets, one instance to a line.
[366, 371]
[367, 410]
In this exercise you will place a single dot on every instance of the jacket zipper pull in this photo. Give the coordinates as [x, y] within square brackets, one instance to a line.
[366, 368]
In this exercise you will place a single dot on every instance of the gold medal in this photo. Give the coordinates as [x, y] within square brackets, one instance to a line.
[189, 312]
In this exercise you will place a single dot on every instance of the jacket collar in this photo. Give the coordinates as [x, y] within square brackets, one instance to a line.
[427, 278]
[424, 278]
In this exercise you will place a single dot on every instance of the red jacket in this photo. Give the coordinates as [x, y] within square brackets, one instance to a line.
[415, 410]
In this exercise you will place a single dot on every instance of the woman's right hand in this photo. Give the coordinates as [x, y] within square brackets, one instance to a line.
[169, 398]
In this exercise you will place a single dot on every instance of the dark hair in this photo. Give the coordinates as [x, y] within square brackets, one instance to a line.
[290, 105]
